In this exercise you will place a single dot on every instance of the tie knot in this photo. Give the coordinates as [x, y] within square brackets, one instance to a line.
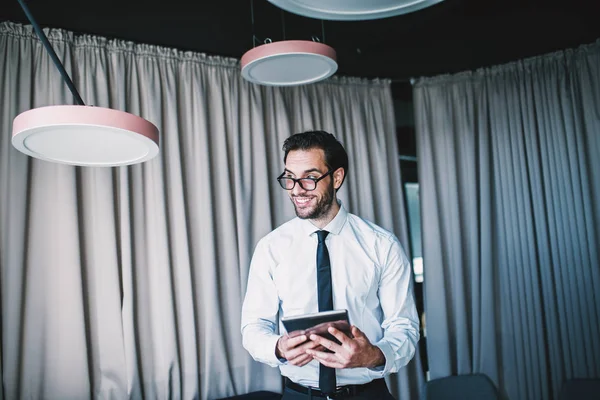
[322, 235]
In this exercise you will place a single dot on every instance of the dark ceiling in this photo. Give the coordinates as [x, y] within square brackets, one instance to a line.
[452, 36]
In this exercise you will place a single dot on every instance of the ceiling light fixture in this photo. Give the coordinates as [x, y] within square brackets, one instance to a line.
[352, 10]
[288, 62]
[79, 134]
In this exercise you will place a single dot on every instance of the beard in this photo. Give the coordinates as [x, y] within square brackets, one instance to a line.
[320, 209]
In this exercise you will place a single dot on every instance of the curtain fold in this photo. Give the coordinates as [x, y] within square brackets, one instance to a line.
[510, 186]
[128, 282]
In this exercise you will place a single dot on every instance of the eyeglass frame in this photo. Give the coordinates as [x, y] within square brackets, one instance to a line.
[297, 180]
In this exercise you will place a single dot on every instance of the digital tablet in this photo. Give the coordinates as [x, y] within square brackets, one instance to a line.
[318, 323]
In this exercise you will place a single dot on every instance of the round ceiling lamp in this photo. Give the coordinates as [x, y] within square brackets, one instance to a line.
[289, 63]
[352, 10]
[85, 136]
[82, 135]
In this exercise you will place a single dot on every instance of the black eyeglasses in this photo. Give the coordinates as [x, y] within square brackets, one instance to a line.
[305, 183]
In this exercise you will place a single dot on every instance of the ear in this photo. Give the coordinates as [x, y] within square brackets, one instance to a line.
[338, 178]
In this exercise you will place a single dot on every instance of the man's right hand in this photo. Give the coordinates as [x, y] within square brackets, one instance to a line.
[294, 349]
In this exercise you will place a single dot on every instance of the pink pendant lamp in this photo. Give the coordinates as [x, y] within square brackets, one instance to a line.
[288, 62]
[79, 134]
[85, 136]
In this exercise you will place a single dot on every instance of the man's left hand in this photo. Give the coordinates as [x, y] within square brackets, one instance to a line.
[351, 353]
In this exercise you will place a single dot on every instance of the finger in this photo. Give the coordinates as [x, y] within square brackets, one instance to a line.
[301, 360]
[335, 364]
[327, 359]
[339, 335]
[314, 346]
[323, 355]
[328, 344]
[290, 343]
[295, 352]
[357, 332]
[310, 345]
[303, 363]
[301, 350]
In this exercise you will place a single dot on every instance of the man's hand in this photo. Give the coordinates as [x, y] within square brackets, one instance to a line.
[294, 349]
[351, 353]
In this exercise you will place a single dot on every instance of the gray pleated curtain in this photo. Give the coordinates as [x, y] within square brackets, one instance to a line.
[128, 282]
[509, 160]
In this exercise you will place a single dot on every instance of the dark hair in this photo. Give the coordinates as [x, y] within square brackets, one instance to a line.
[335, 154]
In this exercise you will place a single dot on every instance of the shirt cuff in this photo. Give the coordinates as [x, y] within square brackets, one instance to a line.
[388, 353]
[270, 357]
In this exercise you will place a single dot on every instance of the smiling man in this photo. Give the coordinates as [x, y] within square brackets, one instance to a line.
[328, 258]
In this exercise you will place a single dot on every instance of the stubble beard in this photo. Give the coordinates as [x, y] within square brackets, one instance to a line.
[321, 208]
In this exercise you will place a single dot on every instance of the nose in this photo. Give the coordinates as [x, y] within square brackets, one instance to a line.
[297, 190]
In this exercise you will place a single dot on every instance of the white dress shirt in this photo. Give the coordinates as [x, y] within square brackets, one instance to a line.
[371, 278]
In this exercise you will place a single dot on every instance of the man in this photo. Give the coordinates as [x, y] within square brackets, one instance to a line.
[367, 273]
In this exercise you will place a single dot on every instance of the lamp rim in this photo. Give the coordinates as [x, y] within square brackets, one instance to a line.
[289, 47]
[318, 11]
[36, 119]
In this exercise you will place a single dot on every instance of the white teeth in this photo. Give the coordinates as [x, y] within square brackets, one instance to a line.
[302, 200]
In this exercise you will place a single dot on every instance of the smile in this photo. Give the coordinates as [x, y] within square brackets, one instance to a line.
[301, 201]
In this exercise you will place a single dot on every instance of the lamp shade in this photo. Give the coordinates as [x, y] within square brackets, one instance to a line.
[288, 63]
[85, 136]
[352, 10]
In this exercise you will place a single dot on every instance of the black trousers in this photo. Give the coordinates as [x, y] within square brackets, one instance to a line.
[376, 392]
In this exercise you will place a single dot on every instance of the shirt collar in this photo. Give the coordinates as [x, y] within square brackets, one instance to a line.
[334, 226]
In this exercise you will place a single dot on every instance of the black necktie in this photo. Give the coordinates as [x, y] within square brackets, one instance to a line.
[326, 374]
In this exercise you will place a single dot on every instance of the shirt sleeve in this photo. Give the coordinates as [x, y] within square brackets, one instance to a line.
[400, 317]
[260, 309]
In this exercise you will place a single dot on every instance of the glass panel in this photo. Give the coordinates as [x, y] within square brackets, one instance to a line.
[414, 225]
